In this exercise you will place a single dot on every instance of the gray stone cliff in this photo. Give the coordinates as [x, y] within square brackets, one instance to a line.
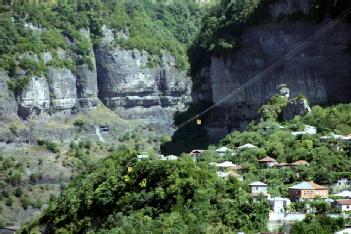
[321, 72]
[135, 90]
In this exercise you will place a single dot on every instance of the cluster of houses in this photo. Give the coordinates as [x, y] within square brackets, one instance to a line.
[271, 162]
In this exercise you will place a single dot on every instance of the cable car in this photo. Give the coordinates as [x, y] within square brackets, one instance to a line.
[198, 121]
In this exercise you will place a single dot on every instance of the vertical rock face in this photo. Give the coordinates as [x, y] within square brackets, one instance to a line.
[321, 72]
[35, 98]
[132, 87]
[285, 7]
[62, 84]
[8, 105]
[87, 88]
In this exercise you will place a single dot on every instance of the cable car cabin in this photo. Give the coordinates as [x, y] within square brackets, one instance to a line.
[198, 122]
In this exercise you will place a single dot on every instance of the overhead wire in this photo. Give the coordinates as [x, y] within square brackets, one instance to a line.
[303, 45]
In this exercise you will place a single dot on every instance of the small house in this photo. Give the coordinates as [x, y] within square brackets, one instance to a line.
[228, 165]
[279, 204]
[143, 157]
[343, 205]
[170, 158]
[222, 151]
[247, 146]
[307, 190]
[196, 152]
[267, 161]
[299, 163]
[259, 189]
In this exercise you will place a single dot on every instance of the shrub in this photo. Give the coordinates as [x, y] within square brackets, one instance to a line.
[9, 201]
[25, 201]
[51, 146]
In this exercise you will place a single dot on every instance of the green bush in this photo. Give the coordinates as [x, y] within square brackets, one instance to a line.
[49, 145]
[25, 201]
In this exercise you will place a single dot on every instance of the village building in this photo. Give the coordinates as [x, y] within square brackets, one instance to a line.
[170, 158]
[247, 146]
[299, 163]
[227, 165]
[346, 194]
[343, 205]
[279, 204]
[308, 130]
[143, 157]
[268, 162]
[222, 151]
[196, 152]
[259, 189]
[307, 190]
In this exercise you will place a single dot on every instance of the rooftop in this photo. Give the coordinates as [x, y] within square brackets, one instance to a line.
[308, 185]
[299, 162]
[344, 202]
[257, 183]
[267, 159]
[247, 146]
[223, 149]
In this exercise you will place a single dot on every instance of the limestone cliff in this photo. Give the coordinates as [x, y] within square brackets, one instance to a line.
[321, 72]
[135, 90]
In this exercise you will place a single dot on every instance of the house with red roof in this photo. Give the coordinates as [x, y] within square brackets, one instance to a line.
[267, 161]
[343, 205]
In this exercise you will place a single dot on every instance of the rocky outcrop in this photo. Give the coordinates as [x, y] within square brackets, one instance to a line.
[87, 88]
[35, 98]
[297, 106]
[136, 89]
[63, 91]
[321, 72]
[8, 105]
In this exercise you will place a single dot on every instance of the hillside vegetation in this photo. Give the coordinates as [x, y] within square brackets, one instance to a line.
[122, 195]
[153, 27]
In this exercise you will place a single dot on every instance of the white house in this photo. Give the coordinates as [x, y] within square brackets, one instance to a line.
[259, 189]
[310, 130]
[228, 165]
[279, 204]
[343, 205]
[143, 157]
[170, 158]
[247, 146]
[222, 151]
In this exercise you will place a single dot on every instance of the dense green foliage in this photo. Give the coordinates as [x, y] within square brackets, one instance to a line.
[319, 224]
[154, 27]
[154, 196]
